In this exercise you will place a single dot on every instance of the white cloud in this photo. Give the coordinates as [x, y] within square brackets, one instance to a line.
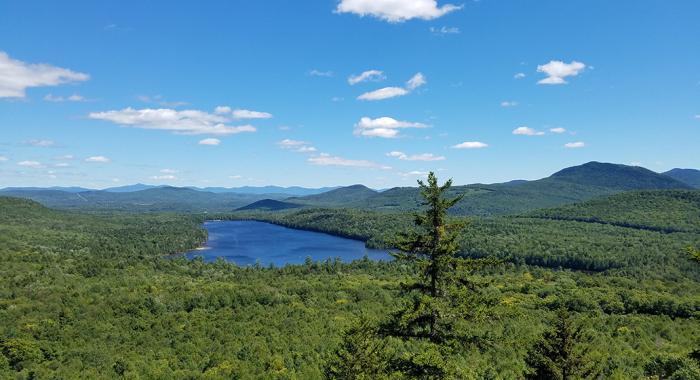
[383, 93]
[509, 103]
[325, 159]
[557, 130]
[574, 145]
[444, 30]
[391, 92]
[58, 99]
[31, 164]
[557, 71]
[164, 177]
[396, 10]
[16, 76]
[97, 159]
[65, 157]
[248, 114]
[297, 146]
[61, 165]
[416, 81]
[186, 122]
[3, 158]
[415, 173]
[41, 143]
[369, 75]
[210, 141]
[235, 176]
[471, 145]
[415, 157]
[697, 116]
[527, 131]
[519, 76]
[168, 171]
[385, 127]
[319, 73]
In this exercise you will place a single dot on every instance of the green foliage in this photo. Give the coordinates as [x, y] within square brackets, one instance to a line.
[672, 367]
[561, 353]
[693, 253]
[361, 355]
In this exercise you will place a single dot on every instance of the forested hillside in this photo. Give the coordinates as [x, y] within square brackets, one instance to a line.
[93, 296]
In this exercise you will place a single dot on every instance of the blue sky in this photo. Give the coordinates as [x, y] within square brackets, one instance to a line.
[232, 93]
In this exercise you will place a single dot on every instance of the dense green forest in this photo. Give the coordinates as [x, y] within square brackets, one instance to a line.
[95, 296]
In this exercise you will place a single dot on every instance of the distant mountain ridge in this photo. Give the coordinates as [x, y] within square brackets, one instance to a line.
[567, 186]
[688, 176]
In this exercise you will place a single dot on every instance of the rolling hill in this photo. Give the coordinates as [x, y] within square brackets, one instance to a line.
[688, 176]
[570, 185]
[268, 205]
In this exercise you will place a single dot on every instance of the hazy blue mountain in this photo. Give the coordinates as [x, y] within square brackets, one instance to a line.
[130, 188]
[339, 196]
[688, 176]
[289, 191]
[68, 189]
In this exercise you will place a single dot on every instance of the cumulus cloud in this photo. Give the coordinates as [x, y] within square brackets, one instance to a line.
[470, 145]
[509, 103]
[369, 75]
[415, 173]
[557, 130]
[209, 141]
[519, 76]
[396, 10]
[222, 110]
[444, 30]
[31, 164]
[557, 71]
[248, 114]
[186, 122]
[16, 76]
[97, 159]
[59, 99]
[415, 157]
[391, 92]
[527, 131]
[383, 93]
[65, 157]
[385, 127]
[168, 171]
[574, 145]
[325, 159]
[297, 146]
[41, 143]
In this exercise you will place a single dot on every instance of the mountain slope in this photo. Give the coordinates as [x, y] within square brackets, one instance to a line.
[616, 176]
[570, 185]
[688, 176]
[342, 195]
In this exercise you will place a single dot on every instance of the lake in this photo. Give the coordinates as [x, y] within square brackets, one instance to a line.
[247, 242]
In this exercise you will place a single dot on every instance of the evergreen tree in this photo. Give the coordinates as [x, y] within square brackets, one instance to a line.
[441, 298]
[693, 253]
[361, 355]
[561, 353]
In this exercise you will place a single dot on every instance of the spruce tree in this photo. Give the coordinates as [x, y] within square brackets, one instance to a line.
[561, 353]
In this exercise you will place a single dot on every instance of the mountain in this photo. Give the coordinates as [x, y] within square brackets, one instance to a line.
[616, 176]
[163, 198]
[67, 189]
[570, 185]
[130, 188]
[688, 176]
[269, 205]
[339, 196]
[288, 191]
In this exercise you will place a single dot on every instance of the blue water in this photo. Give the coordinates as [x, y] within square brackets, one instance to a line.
[248, 242]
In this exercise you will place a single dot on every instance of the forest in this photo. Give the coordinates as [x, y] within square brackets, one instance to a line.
[99, 296]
